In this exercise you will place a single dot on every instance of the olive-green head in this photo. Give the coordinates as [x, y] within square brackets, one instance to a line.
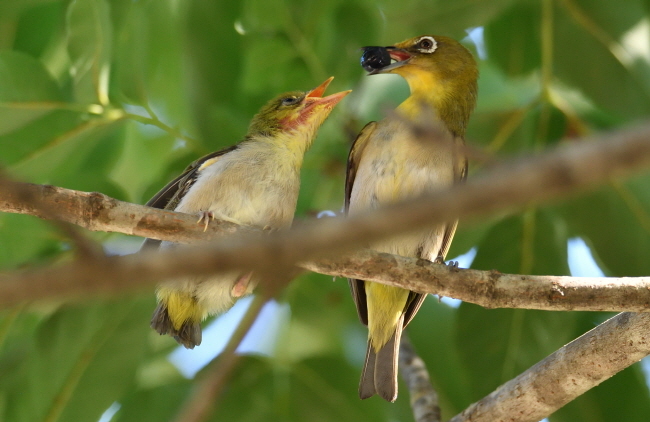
[296, 112]
[438, 69]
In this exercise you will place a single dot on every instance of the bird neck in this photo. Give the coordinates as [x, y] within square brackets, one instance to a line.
[287, 146]
[451, 99]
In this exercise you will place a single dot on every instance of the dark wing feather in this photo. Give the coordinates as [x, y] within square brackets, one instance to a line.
[356, 286]
[413, 303]
[415, 300]
[169, 196]
[451, 227]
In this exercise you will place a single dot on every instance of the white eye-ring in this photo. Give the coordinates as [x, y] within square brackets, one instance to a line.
[426, 45]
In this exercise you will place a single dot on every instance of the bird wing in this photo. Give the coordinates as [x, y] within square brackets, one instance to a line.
[415, 300]
[451, 227]
[169, 196]
[356, 286]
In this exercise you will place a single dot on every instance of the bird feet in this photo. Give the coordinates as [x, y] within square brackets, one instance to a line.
[205, 217]
[453, 265]
[241, 286]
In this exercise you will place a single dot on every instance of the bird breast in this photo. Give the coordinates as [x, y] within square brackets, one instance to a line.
[395, 166]
[249, 186]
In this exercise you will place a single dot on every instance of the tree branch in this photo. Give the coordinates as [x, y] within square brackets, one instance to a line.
[424, 399]
[569, 372]
[201, 403]
[97, 212]
[492, 289]
[575, 166]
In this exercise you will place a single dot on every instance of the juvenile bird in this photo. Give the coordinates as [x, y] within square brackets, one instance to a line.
[388, 163]
[254, 183]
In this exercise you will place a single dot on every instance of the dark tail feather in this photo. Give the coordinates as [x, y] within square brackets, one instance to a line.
[189, 334]
[367, 384]
[379, 374]
[386, 365]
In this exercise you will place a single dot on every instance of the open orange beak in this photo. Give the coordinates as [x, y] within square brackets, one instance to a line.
[315, 107]
[315, 96]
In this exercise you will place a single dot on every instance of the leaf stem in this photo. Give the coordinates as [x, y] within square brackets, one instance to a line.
[154, 121]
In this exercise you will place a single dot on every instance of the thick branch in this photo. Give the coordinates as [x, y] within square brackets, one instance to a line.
[572, 370]
[98, 212]
[492, 289]
[564, 170]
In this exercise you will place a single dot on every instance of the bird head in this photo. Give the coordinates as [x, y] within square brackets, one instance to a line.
[296, 112]
[426, 53]
[440, 71]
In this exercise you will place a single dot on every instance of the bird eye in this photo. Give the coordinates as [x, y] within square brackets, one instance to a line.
[427, 45]
[290, 101]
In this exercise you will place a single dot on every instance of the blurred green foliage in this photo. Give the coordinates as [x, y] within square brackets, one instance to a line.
[117, 96]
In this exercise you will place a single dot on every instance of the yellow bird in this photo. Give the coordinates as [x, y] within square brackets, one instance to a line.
[388, 164]
[254, 183]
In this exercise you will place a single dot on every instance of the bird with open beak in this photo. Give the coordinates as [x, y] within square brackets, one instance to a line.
[253, 183]
[389, 162]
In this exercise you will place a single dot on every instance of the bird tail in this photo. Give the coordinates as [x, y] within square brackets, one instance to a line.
[188, 334]
[379, 374]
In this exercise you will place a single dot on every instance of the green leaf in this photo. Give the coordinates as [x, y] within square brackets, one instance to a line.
[25, 91]
[47, 18]
[317, 389]
[594, 56]
[615, 223]
[83, 359]
[496, 345]
[89, 46]
[534, 243]
[40, 133]
[142, 162]
[520, 54]
[432, 332]
[315, 334]
[265, 64]
[153, 405]
[14, 250]
[79, 159]
[440, 17]
[215, 57]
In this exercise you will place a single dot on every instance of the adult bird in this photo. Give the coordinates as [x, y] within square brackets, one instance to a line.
[389, 162]
[254, 183]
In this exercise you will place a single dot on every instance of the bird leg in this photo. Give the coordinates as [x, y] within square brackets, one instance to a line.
[240, 288]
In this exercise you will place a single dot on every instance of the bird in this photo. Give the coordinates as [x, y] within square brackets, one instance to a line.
[255, 183]
[388, 162]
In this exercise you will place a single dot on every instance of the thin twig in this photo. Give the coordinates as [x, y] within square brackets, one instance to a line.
[423, 397]
[154, 121]
[201, 404]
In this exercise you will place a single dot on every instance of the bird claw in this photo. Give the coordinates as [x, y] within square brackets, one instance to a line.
[205, 217]
[453, 265]
[240, 288]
